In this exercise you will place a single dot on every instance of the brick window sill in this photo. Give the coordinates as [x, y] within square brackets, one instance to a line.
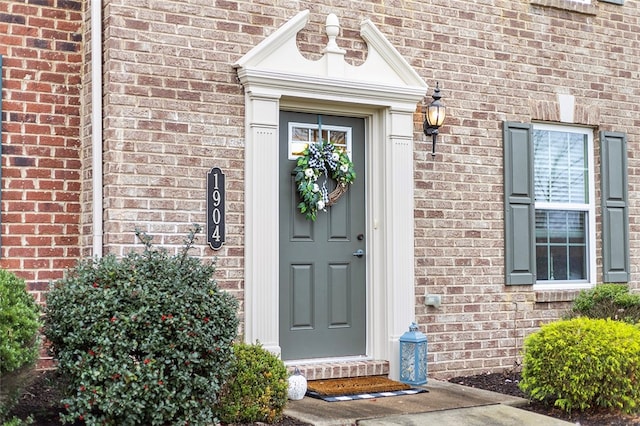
[587, 9]
[546, 296]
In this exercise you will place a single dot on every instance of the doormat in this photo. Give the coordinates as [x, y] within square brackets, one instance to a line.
[354, 388]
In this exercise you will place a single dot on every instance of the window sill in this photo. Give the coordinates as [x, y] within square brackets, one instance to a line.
[587, 9]
[549, 296]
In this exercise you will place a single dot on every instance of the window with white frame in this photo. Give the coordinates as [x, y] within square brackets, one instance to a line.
[564, 205]
[302, 134]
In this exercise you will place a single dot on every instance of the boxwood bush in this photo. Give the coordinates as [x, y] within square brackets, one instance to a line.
[584, 363]
[19, 325]
[145, 339]
[257, 388]
[608, 301]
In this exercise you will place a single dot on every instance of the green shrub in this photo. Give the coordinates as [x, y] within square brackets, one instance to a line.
[608, 301]
[19, 325]
[15, 421]
[584, 363]
[257, 388]
[146, 339]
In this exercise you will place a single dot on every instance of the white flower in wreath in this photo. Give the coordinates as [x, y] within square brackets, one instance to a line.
[335, 156]
[320, 205]
[316, 187]
[309, 173]
[344, 168]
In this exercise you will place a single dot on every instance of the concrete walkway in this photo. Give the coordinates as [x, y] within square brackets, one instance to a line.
[445, 404]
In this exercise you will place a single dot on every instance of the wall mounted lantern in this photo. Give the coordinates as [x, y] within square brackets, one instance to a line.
[434, 117]
[413, 356]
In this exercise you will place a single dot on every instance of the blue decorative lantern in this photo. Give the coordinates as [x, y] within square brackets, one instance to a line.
[413, 356]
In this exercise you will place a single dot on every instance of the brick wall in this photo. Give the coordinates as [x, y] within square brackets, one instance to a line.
[41, 47]
[501, 61]
[174, 92]
[174, 109]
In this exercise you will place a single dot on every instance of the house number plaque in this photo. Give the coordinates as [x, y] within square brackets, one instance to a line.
[215, 208]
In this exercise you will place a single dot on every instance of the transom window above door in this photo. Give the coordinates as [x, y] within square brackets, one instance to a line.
[303, 134]
[564, 204]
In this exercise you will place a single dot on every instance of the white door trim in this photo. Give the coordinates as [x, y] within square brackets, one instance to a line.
[275, 76]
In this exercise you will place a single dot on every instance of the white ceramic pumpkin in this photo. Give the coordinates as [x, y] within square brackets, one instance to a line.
[297, 385]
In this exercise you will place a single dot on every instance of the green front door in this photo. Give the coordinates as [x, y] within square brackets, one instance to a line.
[322, 263]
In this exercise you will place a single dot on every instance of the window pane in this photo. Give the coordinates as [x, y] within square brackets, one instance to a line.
[560, 164]
[316, 135]
[561, 245]
[578, 168]
[300, 134]
[542, 228]
[577, 263]
[558, 263]
[542, 262]
[338, 138]
[298, 141]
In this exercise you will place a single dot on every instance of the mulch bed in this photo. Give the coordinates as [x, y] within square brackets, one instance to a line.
[41, 401]
[507, 383]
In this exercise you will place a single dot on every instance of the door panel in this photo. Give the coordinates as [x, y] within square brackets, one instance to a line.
[322, 284]
[339, 220]
[300, 228]
[302, 297]
[339, 296]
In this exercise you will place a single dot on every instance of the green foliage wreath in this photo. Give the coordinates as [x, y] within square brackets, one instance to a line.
[322, 159]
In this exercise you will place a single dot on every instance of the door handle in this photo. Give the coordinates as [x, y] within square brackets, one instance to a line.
[358, 253]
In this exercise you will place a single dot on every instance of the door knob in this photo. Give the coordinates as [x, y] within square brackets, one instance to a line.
[358, 253]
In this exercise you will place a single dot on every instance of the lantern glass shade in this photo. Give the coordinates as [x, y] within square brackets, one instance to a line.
[413, 357]
[435, 114]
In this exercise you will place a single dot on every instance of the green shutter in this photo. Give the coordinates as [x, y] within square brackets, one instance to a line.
[615, 207]
[519, 217]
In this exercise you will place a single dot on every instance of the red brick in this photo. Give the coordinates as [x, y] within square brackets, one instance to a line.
[20, 252]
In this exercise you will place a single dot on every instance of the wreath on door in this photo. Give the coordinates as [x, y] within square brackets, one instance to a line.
[317, 160]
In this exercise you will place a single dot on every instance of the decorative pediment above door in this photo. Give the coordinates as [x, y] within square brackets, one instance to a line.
[383, 70]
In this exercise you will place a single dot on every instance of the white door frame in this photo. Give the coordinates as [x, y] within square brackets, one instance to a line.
[385, 91]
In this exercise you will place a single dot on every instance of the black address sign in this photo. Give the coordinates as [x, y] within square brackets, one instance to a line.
[215, 208]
